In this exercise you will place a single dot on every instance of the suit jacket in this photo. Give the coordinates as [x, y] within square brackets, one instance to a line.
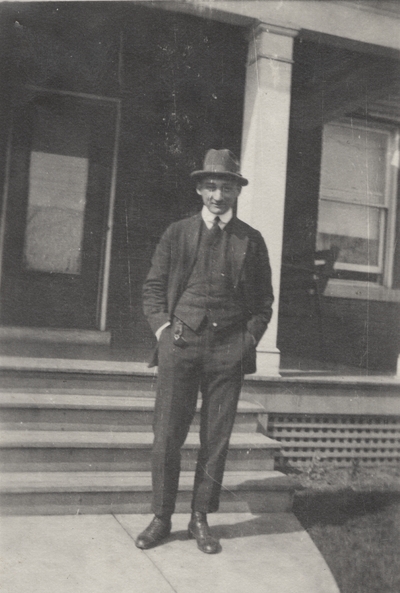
[173, 262]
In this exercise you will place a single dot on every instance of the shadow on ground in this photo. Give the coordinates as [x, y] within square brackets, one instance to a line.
[337, 507]
[265, 524]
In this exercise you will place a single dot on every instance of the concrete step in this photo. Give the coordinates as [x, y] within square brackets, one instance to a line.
[125, 451]
[111, 413]
[284, 393]
[130, 492]
[48, 378]
[91, 366]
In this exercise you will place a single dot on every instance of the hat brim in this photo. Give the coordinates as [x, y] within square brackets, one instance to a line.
[197, 175]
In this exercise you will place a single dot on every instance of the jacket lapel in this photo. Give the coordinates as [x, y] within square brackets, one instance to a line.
[191, 247]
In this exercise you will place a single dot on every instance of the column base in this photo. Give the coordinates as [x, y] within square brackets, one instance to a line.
[268, 363]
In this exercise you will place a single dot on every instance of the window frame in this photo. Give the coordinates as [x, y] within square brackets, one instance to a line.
[387, 223]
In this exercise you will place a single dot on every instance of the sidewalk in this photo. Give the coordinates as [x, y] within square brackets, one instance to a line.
[268, 553]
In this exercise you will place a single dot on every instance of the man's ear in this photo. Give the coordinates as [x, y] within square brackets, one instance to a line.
[198, 188]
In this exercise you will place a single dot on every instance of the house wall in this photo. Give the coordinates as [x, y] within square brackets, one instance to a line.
[180, 81]
[6, 40]
[362, 333]
[180, 97]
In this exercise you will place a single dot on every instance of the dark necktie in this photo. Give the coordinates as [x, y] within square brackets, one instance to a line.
[215, 229]
[214, 233]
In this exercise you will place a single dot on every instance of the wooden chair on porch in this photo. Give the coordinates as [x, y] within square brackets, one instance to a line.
[298, 278]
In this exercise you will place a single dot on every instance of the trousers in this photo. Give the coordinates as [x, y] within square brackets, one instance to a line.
[209, 361]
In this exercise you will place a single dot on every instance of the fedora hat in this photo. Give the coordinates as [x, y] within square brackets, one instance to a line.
[220, 163]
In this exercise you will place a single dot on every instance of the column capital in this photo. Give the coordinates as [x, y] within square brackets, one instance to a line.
[260, 28]
[270, 42]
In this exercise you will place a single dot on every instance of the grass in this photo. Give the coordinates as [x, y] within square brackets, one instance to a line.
[353, 517]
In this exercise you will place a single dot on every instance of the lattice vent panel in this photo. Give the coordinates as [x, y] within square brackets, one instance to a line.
[335, 439]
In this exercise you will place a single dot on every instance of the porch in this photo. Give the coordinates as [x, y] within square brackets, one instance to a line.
[267, 91]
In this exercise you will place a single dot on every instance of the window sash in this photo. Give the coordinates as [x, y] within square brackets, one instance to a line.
[360, 242]
[376, 199]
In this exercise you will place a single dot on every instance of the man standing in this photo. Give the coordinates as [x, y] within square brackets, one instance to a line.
[208, 299]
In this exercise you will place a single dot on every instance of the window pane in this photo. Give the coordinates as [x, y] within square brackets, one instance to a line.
[58, 176]
[353, 229]
[354, 162]
[56, 205]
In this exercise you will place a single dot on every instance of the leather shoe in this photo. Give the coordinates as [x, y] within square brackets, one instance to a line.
[199, 530]
[158, 530]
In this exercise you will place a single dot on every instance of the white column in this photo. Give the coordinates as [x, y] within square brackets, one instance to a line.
[264, 157]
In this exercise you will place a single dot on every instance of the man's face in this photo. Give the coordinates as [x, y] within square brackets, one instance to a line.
[218, 194]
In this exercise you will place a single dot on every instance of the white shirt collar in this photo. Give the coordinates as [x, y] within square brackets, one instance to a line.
[208, 217]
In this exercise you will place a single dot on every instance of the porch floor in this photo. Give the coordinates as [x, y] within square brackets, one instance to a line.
[135, 359]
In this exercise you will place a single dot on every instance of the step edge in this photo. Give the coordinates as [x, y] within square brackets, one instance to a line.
[112, 402]
[51, 439]
[233, 481]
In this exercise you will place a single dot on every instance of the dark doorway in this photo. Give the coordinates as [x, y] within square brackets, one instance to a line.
[60, 173]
